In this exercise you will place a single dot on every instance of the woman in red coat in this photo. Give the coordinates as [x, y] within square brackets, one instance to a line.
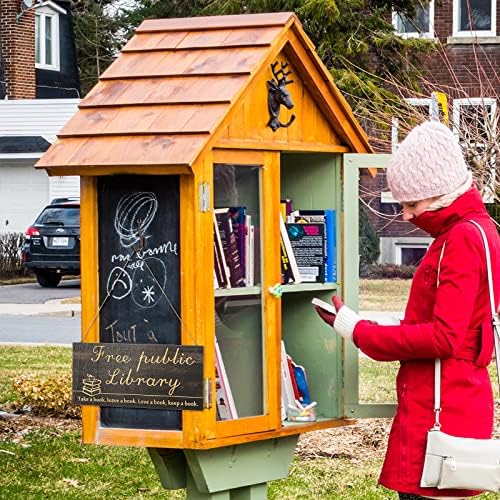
[452, 321]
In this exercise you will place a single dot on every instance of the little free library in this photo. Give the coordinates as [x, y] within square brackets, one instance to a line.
[217, 199]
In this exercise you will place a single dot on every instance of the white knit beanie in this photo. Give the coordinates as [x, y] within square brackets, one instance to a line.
[428, 163]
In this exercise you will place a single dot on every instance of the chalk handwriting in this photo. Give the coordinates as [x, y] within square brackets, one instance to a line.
[122, 335]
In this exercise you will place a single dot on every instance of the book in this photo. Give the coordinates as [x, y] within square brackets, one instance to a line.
[287, 394]
[230, 246]
[226, 409]
[286, 208]
[328, 217]
[292, 377]
[302, 385]
[307, 240]
[239, 223]
[220, 265]
[289, 268]
[328, 307]
[249, 251]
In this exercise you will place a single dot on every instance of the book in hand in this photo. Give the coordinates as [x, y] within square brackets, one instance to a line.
[308, 246]
[329, 308]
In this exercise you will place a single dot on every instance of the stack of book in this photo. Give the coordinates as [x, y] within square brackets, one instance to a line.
[234, 248]
[308, 241]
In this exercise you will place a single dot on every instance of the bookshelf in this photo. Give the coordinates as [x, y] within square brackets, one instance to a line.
[310, 287]
[312, 181]
[231, 292]
[242, 325]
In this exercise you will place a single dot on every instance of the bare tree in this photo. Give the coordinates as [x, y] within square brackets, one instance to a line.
[473, 117]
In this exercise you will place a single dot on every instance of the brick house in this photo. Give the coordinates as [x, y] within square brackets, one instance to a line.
[466, 67]
[39, 92]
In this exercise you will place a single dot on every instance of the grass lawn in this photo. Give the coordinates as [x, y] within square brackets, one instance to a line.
[49, 462]
[383, 295]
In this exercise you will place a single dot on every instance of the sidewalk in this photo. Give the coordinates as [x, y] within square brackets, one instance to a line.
[50, 308]
[57, 308]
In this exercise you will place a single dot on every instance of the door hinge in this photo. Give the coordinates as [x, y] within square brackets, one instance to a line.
[207, 393]
[204, 196]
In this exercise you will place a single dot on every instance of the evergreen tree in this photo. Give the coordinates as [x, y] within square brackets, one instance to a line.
[369, 241]
[354, 38]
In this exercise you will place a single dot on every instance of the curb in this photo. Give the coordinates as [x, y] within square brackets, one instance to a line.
[50, 308]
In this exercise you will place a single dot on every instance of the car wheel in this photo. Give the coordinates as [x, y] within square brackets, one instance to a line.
[48, 280]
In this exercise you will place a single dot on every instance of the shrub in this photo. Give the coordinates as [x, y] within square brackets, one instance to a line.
[369, 241]
[47, 395]
[494, 211]
[388, 271]
[10, 255]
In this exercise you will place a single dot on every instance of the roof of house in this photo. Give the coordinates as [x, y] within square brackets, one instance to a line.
[23, 144]
[172, 85]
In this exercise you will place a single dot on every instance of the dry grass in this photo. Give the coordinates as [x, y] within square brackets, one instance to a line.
[72, 300]
[383, 295]
[374, 295]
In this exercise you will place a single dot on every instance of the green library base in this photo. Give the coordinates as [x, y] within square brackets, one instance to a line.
[239, 472]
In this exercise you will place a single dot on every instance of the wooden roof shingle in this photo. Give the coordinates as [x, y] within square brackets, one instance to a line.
[167, 92]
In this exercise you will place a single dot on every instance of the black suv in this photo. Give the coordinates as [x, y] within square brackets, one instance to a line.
[52, 247]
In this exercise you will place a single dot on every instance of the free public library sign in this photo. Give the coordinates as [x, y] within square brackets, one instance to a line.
[154, 376]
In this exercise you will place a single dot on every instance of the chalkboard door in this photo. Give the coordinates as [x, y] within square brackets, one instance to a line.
[139, 288]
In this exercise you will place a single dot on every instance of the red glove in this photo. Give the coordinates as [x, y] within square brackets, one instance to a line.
[327, 317]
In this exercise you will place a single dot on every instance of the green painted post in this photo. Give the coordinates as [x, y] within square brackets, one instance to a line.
[170, 466]
[254, 492]
[239, 472]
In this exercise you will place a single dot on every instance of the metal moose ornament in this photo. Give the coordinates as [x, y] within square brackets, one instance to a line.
[278, 95]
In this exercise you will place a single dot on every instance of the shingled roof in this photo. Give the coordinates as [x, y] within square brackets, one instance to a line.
[170, 88]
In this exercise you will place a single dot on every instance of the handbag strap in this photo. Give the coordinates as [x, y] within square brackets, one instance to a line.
[494, 314]
[496, 327]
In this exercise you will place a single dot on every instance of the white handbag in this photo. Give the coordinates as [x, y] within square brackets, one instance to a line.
[463, 463]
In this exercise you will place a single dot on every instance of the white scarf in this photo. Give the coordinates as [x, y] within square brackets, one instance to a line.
[447, 199]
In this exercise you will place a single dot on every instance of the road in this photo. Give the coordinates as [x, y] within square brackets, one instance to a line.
[61, 328]
[39, 329]
[33, 293]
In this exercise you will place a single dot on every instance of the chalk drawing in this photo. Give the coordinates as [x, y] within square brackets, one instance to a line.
[134, 214]
[119, 283]
[146, 291]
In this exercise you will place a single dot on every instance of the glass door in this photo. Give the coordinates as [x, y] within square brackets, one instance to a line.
[245, 312]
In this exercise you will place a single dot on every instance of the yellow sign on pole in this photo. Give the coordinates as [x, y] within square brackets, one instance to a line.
[439, 109]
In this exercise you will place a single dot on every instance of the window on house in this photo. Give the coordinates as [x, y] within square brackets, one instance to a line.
[420, 25]
[411, 255]
[475, 125]
[418, 111]
[474, 17]
[47, 40]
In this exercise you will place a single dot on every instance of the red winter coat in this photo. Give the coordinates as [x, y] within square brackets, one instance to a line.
[452, 322]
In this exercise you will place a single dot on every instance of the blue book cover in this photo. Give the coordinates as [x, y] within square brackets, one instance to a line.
[330, 241]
